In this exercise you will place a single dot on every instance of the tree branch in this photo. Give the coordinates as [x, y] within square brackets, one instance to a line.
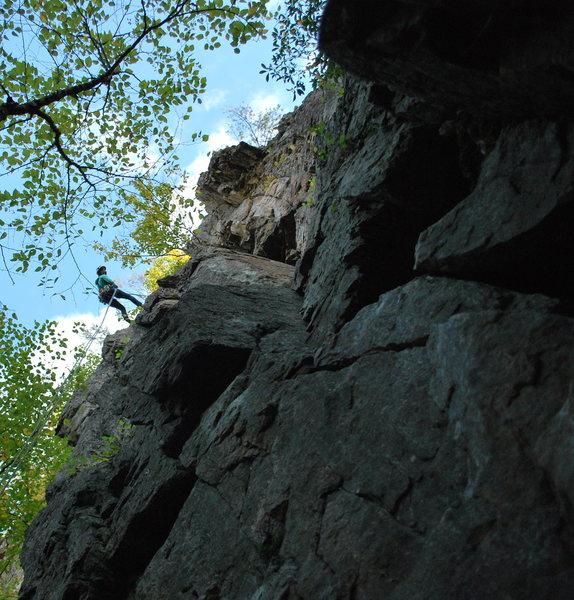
[7, 271]
[10, 107]
[58, 144]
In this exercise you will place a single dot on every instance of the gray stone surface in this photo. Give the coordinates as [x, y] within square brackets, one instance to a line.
[409, 460]
[256, 199]
[148, 408]
[515, 226]
[374, 432]
[389, 181]
[221, 266]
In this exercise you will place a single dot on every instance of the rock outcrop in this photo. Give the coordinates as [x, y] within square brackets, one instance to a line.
[257, 199]
[392, 416]
[501, 58]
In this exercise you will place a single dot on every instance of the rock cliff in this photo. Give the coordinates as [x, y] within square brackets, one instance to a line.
[370, 396]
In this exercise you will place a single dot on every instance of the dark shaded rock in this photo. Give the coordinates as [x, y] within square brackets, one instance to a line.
[414, 442]
[229, 173]
[554, 451]
[145, 405]
[376, 194]
[85, 402]
[170, 281]
[157, 303]
[514, 228]
[489, 58]
[427, 478]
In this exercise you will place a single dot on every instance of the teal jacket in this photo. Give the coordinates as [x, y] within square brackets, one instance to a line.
[104, 280]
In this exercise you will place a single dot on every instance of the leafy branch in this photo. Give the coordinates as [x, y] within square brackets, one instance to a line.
[83, 117]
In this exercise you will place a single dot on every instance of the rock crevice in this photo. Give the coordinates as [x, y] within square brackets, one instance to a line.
[370, 395]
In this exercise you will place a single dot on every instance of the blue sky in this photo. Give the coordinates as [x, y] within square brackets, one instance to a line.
[232, 79]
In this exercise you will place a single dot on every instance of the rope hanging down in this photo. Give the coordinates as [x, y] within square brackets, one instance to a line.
[8, 471]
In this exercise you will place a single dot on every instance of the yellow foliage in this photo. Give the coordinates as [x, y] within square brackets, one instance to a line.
[159, 220]
[165, 265]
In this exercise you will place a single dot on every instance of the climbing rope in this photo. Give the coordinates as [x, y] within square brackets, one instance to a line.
[10, 469]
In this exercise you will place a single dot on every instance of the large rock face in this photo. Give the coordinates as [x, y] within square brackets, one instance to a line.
[392, 416]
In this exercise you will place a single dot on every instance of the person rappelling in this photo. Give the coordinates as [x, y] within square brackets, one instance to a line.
[109, 291]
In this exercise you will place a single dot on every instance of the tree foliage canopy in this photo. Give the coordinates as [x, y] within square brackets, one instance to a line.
[168, 264]
[158, 221]
[88, 89]
[30, 454]
[296, 60]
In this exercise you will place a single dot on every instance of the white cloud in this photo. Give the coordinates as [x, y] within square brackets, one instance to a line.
[198, 166]
[215, 99]
[217, 140]
[220, 139]
[261, 102]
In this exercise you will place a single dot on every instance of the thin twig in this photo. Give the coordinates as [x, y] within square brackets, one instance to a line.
[6, 265]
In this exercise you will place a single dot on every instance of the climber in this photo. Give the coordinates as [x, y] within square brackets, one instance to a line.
[108, 290]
